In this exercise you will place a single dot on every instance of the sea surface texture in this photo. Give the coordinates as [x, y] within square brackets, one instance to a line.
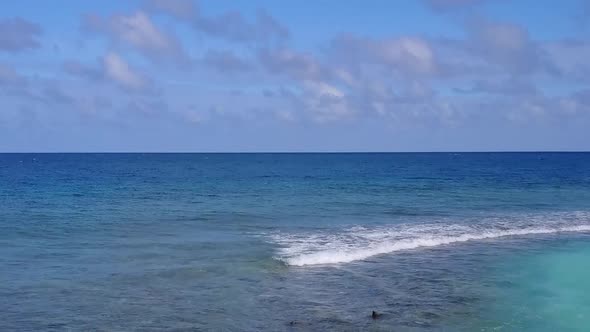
[295, 242]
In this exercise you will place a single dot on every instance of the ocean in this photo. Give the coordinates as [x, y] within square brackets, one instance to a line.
[295, 242]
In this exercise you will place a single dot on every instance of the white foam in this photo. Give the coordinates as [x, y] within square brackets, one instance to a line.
[359, 243]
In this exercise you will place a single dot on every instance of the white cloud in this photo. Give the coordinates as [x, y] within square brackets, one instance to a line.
[322, 89]
[570, 58]
[138, 30]
[506, 44]
[407, 53]
[325, 102]
[120, 72]
[294, 64]
[140, 33]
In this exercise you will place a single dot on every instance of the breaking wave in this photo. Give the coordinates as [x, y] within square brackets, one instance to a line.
[359, 243]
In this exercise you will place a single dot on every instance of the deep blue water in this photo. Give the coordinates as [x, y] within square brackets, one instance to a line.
[434, 241]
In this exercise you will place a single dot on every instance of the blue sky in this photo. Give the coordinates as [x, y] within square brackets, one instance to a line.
[182, 75]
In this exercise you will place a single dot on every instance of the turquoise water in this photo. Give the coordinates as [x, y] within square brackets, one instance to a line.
[547, 290]
[295, 242]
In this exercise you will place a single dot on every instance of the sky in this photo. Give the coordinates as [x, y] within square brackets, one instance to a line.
[294, 76]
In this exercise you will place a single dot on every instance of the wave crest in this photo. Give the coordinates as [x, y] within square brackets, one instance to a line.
[359, 243]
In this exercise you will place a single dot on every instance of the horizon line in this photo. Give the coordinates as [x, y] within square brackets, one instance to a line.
[290, 152]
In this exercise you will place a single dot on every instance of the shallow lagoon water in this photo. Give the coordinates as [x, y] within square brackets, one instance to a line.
[435, 242]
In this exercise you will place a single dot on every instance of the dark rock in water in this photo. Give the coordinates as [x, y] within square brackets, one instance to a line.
[292, 323]
[375, 315]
